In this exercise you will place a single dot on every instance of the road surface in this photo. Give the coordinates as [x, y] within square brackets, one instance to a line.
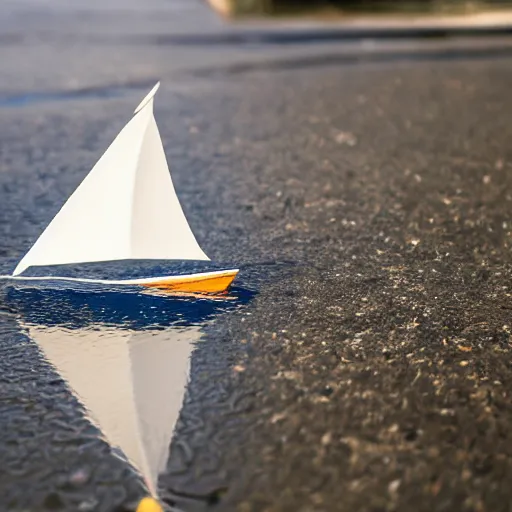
[365, 192]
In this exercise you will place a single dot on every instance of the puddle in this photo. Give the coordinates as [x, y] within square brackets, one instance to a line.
[104, 92]
[125, 356]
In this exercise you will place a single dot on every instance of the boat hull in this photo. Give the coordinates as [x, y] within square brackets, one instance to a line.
[206, 282]
[195, 284]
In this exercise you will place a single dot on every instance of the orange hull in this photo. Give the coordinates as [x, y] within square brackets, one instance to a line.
[196, 284]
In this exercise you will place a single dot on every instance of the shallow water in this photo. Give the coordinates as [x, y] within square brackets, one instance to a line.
[124, 355]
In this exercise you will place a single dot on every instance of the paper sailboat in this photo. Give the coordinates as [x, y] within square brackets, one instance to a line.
[126, 209]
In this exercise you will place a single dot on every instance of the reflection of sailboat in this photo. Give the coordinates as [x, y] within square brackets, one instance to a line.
[126, 209]
[131, 383]
[125, 355]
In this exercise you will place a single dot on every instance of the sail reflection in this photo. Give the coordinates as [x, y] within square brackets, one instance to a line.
[132, 384]
[125, 356]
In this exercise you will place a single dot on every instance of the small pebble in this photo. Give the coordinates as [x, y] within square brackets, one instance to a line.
[393, 486]
[79, 477]
[346, 138]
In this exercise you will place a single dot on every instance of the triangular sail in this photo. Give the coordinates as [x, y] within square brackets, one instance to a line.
[125, 208]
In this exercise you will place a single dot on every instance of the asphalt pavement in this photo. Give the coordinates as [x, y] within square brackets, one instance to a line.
[363, 189]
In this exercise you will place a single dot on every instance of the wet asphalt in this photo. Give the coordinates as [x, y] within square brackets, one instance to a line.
[366, 198]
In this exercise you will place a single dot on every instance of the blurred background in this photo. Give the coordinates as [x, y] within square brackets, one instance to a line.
[347, 7]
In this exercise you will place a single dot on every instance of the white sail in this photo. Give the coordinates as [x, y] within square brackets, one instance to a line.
[131, 383]
[125, 208]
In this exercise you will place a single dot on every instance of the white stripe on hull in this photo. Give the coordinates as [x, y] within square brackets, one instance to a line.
[144, 280]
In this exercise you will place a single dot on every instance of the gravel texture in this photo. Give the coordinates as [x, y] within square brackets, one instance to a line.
[368, 205]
